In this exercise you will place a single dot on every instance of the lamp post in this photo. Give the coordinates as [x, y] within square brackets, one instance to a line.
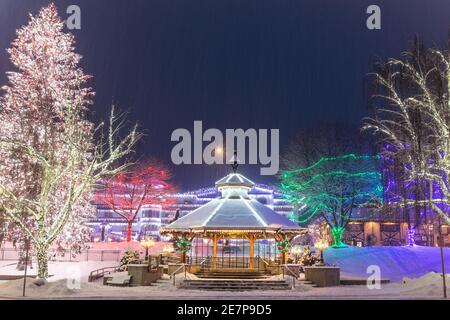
[321, 245]
[168, 249]
[147, 243]
[296, 251]
[441, 247]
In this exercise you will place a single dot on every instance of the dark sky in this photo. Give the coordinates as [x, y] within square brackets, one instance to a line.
[284, 64]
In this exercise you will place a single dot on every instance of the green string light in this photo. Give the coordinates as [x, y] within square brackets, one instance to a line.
[332, 188]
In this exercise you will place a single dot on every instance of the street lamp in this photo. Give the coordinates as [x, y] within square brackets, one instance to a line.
[321, 245]
[296, 251]
[168, 249]
[147, 243]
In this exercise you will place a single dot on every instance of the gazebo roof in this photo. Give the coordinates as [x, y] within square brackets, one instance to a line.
[234, 211]
[234, 179]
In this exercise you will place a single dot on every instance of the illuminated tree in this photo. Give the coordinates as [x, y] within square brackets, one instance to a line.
[412, 124]
[333, 188]
[126, 193]
[49, 156]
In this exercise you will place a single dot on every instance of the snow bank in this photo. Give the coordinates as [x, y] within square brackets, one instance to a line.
[427, 285]
[14, 288]
[395, 262]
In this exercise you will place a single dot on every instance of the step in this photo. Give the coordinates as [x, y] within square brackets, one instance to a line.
[200, 283]
[246, 273]
[235, 285]
[237, 275]
[229, 277]
[233, 281]
[239, 289]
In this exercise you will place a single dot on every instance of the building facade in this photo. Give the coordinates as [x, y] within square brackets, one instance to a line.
[367, 229]
[108, 226]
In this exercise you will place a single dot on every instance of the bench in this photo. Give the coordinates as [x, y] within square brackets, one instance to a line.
[122, 281]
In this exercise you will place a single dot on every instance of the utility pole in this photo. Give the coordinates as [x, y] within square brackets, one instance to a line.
[441, 247]
[440, 243]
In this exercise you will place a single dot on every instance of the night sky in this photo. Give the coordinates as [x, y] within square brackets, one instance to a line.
[233, 63]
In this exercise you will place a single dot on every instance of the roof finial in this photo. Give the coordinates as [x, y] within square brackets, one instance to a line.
[235, 164]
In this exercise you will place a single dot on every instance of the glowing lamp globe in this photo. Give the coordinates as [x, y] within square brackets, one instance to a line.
[321, 245]
[168, 249]
[147, 243]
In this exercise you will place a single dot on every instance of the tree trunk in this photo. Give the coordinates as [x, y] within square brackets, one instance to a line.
[42, 261]
[337, 237]
[129, 229]
[411, 236]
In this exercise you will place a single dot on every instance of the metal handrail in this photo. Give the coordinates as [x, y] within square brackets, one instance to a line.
[289, 272]
[99, 274]
[202, 262]
[264, 261]
[173, 275]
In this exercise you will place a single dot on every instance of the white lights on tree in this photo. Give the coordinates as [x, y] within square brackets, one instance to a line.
[49, 160]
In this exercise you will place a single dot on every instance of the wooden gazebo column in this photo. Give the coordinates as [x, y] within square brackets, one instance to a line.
[282, 254]
[214, 251]
[251, 238]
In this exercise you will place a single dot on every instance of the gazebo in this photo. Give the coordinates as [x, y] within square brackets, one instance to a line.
[233, 230]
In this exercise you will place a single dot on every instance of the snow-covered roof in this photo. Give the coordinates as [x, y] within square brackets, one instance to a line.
[235, 179]
[234, 210]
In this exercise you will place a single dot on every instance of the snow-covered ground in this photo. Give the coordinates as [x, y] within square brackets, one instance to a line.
[59, 270]
[427, 287]
[396, 263]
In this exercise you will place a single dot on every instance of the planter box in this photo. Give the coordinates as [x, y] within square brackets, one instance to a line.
[323, 276]
[141, 276]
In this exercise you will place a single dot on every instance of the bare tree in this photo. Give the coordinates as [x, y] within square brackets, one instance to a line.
[411, 122]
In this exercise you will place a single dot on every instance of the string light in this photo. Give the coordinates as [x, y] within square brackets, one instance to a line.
[332, 188]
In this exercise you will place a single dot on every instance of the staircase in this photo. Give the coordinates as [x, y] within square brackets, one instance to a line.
[235, 284]
[232, 274]
[234, 279]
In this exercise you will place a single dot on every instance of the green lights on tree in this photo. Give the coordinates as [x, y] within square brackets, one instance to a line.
[334, 188]
[283, 245]
[337, 233]
[184, 245]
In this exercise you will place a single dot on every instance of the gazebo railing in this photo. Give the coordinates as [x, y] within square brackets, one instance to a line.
[207, 263]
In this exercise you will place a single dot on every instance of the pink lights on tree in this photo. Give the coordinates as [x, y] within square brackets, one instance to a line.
[129, 191]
